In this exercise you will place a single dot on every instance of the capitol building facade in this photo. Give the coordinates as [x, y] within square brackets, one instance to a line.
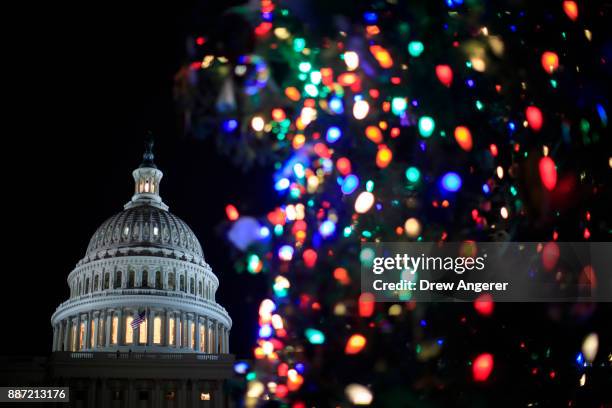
[141, 326]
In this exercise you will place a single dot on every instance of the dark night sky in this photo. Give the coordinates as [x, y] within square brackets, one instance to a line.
[95, 78]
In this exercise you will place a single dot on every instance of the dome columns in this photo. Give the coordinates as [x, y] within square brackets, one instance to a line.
[164, 330]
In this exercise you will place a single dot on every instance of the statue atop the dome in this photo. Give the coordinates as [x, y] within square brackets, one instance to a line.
[148, 156]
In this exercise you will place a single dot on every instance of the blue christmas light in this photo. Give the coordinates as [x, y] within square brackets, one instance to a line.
[265, 331]
[335, 104]
[451, 182]
[370, 17]
[230, 125]
[327, 228]
[333, 134]
[282, 184]
[241, 367]
[350, 184]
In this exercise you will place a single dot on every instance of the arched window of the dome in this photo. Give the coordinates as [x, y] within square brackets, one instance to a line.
[157, 330]
[131, 278]
[129, 332]
[171, 282]
[191, 335]
[192, 286]
[158, 280]
[202, 338]
[200, 288]
[115, 325]
[92, 333]
[172, 331]
[106, 280]
[117, 283]
[86, 285]
[81, 344]
[73, 337]
[182, 283]
[96, 281]
[145, 279]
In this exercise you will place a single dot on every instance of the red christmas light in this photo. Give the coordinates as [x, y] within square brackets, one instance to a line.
[482, 366]
[548, 173]
[534, 118]
[231, 212]
[445, 75]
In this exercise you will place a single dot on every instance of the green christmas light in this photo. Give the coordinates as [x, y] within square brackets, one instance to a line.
[311, 90]
[299, 44]
[415, 48]
[426, 126]
[398, 105]
[278, 230]
[314, 336]
[413, 174]
[253, 263]
[304, 66]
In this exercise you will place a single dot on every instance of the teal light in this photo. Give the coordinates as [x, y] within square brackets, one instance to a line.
[315, 336]
[278, 230]
[369, 186]
[413, 174]
[426, 126]
[415, 48]
[311, 90]
[398, 105]
[479, 105]
[253, 265]
[347, 232]
[304, 66]
[299, 44]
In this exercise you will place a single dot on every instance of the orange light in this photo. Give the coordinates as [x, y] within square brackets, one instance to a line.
[382, 56]
[293, 93]
[383, 156]
[571, 9]
[550, 61]
[372, 30]
[278, 114]
[298, 141]
[342, 276]
[355, 344]
[231, 212]
[374, 134]
[347, 79]
[463, 136]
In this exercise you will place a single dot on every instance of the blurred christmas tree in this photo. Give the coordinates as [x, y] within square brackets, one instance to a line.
[409, 121]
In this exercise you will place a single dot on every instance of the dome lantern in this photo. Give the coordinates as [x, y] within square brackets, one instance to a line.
[147, 178]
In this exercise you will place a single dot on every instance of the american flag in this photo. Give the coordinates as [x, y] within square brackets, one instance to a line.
[138, 319]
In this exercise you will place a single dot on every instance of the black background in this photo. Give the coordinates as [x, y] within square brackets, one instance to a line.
[89, 81]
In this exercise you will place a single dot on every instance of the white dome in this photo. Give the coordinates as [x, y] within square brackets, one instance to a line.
[144, 265]
[144, 227]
